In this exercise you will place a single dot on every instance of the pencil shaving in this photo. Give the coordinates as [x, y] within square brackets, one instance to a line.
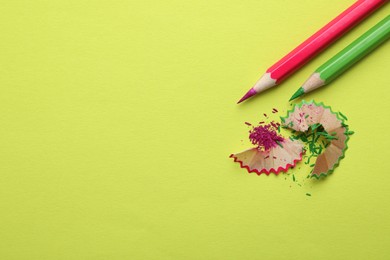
[272, 154]
[310, 116]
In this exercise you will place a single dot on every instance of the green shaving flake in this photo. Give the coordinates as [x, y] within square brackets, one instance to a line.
[308, 159]
[279, 144]
[349, 133]
[308, 194]
[314, 126]
[313, 141]
[329, 137]
[293, 176]
[343, 116]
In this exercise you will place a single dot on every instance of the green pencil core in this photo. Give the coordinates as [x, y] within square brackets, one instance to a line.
[297, 94]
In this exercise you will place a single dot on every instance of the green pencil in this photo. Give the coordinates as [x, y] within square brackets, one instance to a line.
[347, 57]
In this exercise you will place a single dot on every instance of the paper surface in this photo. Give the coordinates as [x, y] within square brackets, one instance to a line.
[117, 119]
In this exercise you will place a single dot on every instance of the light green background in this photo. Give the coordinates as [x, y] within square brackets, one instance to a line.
[117, 119]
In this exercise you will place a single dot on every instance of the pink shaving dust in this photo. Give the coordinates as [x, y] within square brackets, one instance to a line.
[265, 136]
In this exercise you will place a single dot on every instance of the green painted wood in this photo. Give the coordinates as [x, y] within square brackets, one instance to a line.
[355, 51]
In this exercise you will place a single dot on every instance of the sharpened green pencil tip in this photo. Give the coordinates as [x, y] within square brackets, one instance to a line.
[297, 94]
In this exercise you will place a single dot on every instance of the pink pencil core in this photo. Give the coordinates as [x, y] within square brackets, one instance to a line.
[265, 136]
[249, 94]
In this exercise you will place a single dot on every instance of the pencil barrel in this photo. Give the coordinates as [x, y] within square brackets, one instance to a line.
[323, 38]
[355, 51]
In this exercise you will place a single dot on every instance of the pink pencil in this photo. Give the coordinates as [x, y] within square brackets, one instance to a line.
[314, 45]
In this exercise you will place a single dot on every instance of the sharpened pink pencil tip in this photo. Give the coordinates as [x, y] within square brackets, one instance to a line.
[249, 94]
